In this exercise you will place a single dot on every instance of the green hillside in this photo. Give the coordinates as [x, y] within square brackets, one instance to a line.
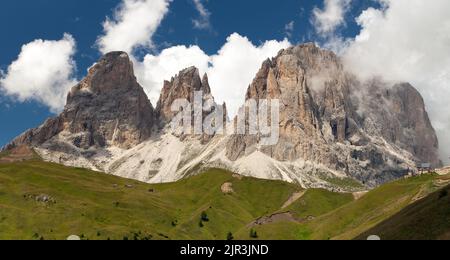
[99, 206]
[40, 200]
[356, 217]
[427, 219]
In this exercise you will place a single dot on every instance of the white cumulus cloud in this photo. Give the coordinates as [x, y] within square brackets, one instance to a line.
[408, 40]
[328, 19]
[43, 72]
[154, 69]
[133, 25]
[236, 64]
[230, 71]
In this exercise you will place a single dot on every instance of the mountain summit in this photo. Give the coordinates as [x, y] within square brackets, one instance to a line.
[370, 131]
[182, 86]
[333, 127]
[108, 107]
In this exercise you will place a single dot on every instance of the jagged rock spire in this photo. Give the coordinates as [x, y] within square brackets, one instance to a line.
[182, 86]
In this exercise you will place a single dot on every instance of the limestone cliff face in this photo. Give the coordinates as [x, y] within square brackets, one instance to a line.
[372, 133]
[108, 107]
[401, 118]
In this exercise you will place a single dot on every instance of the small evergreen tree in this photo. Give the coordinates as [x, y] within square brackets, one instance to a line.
[253, 234]
[230, 236]
[204, 217]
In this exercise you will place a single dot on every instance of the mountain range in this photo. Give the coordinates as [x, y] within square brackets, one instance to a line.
[335, 131]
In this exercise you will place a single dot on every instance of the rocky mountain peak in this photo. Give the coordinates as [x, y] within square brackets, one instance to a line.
[113, 70]
[182, 86]
[108, 107]
[373, 132]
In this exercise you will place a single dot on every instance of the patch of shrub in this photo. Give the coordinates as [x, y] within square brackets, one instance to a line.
[253, 234]
[204, 217]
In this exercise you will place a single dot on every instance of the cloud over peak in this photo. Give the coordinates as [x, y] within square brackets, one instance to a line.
[133, 24]
[230, 70]
[42, 72]
[328, 19]
[407, 41]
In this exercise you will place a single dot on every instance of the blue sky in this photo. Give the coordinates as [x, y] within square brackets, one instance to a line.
[23, 21]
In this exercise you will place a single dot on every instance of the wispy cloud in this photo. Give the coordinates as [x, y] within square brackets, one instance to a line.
[328, 19]
[289, 29]
[203, 21]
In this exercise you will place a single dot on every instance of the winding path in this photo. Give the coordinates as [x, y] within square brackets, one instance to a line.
[294, 197]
